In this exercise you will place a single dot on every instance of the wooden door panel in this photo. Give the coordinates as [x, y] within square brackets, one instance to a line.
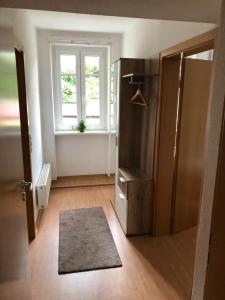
[14, 265]
[166, 143]
[25, 141]
[191, 143]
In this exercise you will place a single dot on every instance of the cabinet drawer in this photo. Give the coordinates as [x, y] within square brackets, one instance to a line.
[122, 183]
[121, 208]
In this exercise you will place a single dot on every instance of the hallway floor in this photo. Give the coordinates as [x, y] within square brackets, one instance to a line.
[153, 268]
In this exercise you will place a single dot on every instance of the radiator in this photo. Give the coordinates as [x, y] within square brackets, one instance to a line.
[43, 186]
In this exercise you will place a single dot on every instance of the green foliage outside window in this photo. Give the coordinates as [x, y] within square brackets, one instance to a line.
[91, 70]
[68, 88]
[69, 83]
[70, 79]
[92, 87]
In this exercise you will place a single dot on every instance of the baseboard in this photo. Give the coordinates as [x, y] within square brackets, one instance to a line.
[83, 175]
[80, 185]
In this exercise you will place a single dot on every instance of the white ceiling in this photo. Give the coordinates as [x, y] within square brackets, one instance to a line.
[177, 10]
[80, 22]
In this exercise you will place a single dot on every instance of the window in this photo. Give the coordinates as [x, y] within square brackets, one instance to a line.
[80, 86]
[68, 80]
[113, 96]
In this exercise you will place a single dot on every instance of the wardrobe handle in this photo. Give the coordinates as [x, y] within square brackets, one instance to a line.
[121, 179]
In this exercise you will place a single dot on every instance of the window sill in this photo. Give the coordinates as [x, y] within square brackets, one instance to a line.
[59, 133]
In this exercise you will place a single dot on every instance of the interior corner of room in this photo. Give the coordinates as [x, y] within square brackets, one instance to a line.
[112, 124]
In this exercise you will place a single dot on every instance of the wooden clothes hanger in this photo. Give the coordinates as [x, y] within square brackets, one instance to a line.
[138, 96]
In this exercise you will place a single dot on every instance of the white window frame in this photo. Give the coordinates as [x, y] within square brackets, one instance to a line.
[115, 96]
[80, 51]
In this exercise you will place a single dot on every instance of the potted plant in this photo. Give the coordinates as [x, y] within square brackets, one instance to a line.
[81, 126]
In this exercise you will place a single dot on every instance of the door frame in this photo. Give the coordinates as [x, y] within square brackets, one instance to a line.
[25, 136]
[162, 211]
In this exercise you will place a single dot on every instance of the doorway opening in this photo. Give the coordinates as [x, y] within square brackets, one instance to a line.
[181, 136]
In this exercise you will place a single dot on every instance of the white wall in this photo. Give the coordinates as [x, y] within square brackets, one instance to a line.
[83, 154]
[213, 134]
[149, 37]
[26, 34]
[143, 39]
[71, 154]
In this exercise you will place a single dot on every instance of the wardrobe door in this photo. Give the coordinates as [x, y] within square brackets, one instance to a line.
[191, 144]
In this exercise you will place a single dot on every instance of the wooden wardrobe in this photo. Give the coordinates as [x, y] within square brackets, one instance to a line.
[135, 145]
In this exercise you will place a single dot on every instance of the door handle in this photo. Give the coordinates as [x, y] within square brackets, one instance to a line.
[28, 184]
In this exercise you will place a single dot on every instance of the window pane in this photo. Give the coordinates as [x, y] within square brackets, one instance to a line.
[92, 90]
[68, 64]
[92, 100]
[68, 88]
[69, 121]
[112, 108]
[69, 109]
[92, 65]
[69, 113]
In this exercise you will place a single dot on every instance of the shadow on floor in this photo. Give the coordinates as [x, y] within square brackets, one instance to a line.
[171, 257]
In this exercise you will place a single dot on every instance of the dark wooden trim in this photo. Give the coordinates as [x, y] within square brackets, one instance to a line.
[25, 141]
[196, 44]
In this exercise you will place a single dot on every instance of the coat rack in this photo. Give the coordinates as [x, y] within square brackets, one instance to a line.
[138, 79]
[138, 98]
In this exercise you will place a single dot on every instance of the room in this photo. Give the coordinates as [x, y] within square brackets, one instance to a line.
[116, 115]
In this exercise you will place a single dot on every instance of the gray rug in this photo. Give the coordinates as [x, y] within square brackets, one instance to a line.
[85, 241]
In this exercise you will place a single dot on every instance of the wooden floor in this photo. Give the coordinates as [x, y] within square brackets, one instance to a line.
[153, 268]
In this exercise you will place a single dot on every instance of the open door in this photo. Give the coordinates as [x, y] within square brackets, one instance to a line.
[165, 141]
[191, 144]
[14, 261]
[25, 143]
